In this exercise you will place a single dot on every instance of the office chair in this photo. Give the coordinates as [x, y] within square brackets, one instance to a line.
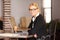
[24, 23]
[13, 23]
[51, 32]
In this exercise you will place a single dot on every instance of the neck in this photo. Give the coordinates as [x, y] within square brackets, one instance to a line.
[36, 15]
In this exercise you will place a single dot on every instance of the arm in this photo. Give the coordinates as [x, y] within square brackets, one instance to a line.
[40, 27]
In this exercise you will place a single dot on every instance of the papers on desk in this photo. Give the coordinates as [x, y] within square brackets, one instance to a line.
[14, 35]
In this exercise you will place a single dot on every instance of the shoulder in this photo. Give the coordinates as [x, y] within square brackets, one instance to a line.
[40, 17]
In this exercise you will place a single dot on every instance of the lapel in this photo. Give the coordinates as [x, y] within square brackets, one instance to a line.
[37, 18]
[35, 21]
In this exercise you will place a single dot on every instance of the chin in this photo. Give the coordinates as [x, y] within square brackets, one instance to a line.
[32, 15]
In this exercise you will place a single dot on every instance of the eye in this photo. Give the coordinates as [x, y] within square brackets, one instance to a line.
[33, 9]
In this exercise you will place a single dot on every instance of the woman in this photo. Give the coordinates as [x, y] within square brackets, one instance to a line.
[37, 25]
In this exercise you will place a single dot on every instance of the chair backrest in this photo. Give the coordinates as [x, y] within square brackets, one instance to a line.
[13, 23]
[12, 20]
[24, 21]
[52, 28]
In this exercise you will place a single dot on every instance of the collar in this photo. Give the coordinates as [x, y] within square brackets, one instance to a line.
[35, 17]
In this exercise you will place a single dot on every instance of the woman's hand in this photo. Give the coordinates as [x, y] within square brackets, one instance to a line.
[15, 28]
[35, 35]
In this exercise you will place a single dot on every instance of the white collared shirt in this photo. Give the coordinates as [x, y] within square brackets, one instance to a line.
[33, 19]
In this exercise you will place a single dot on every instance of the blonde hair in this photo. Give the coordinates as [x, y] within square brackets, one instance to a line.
[36, 5]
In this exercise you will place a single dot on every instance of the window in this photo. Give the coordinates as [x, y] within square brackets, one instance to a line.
[47, 10]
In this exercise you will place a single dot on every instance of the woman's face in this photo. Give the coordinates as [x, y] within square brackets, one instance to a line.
[33, 10]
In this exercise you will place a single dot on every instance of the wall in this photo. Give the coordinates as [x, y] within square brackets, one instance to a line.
[0, 8]
[55, 9]
[19, 8]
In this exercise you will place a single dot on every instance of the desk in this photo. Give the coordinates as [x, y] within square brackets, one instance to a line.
[14, 35]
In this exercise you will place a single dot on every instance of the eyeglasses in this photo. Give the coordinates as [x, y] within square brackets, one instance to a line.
[33, 9]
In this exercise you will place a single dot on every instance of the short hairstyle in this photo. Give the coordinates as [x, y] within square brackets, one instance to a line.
[34, 4]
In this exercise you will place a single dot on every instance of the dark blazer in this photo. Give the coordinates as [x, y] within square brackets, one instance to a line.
[39, 26]
[1, 25]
